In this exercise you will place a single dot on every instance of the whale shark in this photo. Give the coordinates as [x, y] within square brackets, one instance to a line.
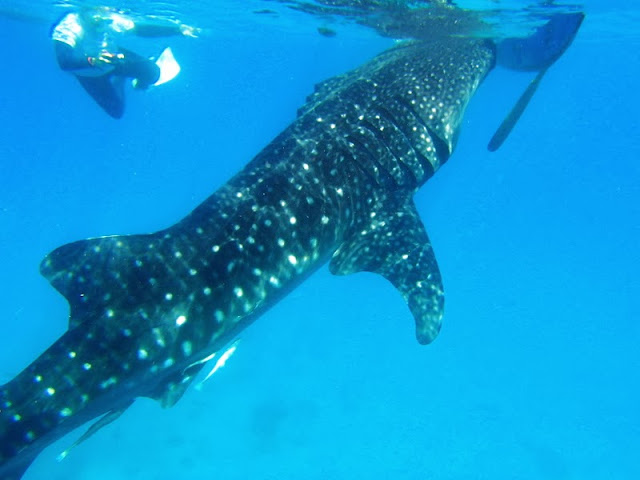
[147, 312]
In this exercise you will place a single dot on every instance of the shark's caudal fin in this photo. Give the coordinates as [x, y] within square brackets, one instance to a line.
[535, 53]
[396, 246]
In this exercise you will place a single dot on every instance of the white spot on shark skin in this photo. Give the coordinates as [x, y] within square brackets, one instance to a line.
[274, 281]
[181, 320]
[142, 354]
[206, 291]
[159, 337]
[37, 378]
[238, 292]
[193, 271]
[168, 296]
[281, 242]
[293, 260]
[50, 391]
[30, 436]
[168, 362]
[187, 348]
[65, 412]
[86, 366]
[215, 248]
[219, 316]
[324, 219]
[110, 313]
[16, 417]
[177, 254]
[292, 220]
[72, 354]
[108, 382]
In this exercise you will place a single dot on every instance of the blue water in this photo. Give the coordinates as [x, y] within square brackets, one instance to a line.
[535, 373]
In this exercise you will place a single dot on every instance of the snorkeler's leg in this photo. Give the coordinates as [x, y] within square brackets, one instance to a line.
[107, 91]
[541, 49]
[168, 29]
[140, 68]
[534, 53]
[151, 30]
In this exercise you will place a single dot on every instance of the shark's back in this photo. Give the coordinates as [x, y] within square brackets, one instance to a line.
[403, 109]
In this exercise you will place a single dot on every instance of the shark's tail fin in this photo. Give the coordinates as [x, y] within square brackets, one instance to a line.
[535, 53]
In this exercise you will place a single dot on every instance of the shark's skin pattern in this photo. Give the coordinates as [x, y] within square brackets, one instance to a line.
[337, 185]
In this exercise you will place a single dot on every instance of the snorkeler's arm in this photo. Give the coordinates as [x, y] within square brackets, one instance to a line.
[76, 61]
[70, 58]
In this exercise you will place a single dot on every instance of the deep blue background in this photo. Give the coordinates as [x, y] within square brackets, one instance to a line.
[535, 374]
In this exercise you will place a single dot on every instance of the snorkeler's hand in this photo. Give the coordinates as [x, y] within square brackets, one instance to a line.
[106, 58]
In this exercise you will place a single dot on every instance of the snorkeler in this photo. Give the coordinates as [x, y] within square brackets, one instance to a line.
[85, 45]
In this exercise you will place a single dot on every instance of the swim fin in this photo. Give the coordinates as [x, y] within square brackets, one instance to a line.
[535, 53]
[169, 67]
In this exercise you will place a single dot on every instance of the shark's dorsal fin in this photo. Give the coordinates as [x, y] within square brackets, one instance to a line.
[100, 274]
[395, 245]
[103, 421]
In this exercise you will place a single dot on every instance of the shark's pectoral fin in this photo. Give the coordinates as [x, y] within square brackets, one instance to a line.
[395, 245]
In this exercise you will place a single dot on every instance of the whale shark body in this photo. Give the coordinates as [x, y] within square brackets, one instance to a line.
[148, 311]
